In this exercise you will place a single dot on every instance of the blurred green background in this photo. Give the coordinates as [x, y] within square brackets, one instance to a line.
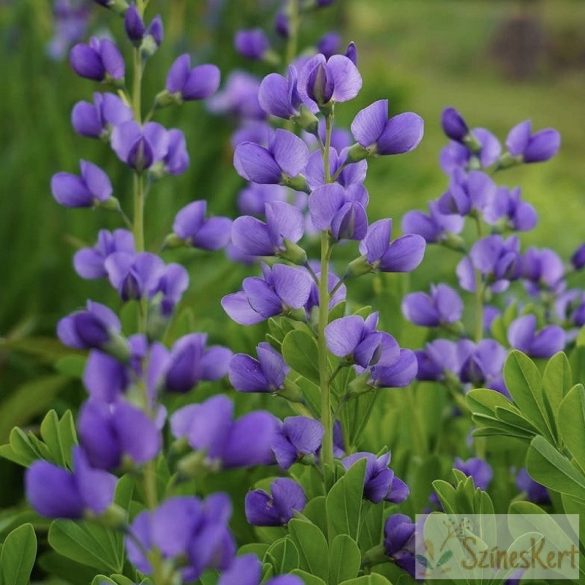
[498, 61]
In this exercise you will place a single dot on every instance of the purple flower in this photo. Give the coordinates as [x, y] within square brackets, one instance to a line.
[135, 276]
[399, 540]
[468, 193]
[109, 437]
[532, 147]
[54, 492]
[252, 199]
[195, 229]
[346, 174]
[478, 469]
[483, 364]
[441, 357]
[93, 328]
[281, 289]
[252, 43]
[210, 427]
[486, 151]
[340, 210]
[156, 30]
[265, 374]
[441, 307]
[380, 483]
[247, 570]
[570, 307]
[185, 529]
[285, 158]
[71, 20]
[281, 24]
[96, 120]
[544, 343]
[143, 147]
[134, 25]
[173, 282]
[374, 131]
[401, 255]
[433, 226]
[239, 97]
[534, 491]
[454, 125]
[92, 187]
[542, 267]
[297, 436]
[329, 44]
[275, 508]
[99, 60]
[284, 224]
[333, 284]
[398, 374]
[496, 258]
[90, 262]
[578, 257]
[322, 80]
[191, 361]
[508, 206]
[186, 84]
[355, 338]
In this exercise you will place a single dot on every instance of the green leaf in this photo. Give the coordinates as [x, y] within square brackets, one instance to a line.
[524, 382]
[308, 578]
[299, 350]
[572, 427]
[556, 383]
[18, 555]
[316, 512]
[553, 470]
[373, 579]
[71, 365]
[312, 547]
[484, 401]
[19, 449]
[283, 555]
[345, 559]
[344, 502]
[88, 544]
[71, 572]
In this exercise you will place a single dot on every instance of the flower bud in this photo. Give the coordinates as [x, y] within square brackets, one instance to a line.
[294, 253]
[134, 25]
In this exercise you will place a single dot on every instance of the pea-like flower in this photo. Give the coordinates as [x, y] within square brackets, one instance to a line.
[265, 374]
[578, 258]
[454, 125]
[378, 134]
[284, 225]
[239, 97]
[468, 193]
[210, 428]
[97, 119]
[185, 83]
[252, 43]
[282, 288]
[533, 491]
[91, 188]
[99, 60]
[399, 541]
[542, 268]
[89, 262]
[134, 276]
[195, 229]
[109, 437]
[192, 533]
[483, 365]
[54, 492]
[478, 469]
[191, 362]
[297, 436]
[247, 570]
[482, 148]
[544, 343]
[509, 208]
[398, 374]
[433, 226]
[442, 306]
[380, 482]
[532, 147]
[134, 25]
[329, 44]
[276, 508]
[284, 159]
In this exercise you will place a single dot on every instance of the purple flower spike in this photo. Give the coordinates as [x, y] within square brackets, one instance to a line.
[322, 80]
[380, 483]
[187, 84]
[252, 43]
[281, 289]
[92, 187]
[108, 434]
[454, 125]
[341, 211]
[210, 427]
[397, 374]
[373, 130]
[89, 262]
[194, 228]
[265, 374]
[533, 147]
[99, 60]
[534, 491]
[284, 223]
[276, 508]
[401, 255]
[93, 328]
[357, 339]
[478, 469]
[57, 493]
[96, 120]
[191, 361]
[522, 335]
[298, 436]
[441, 307]
[399, 541]
[134, 276]
[286, 157]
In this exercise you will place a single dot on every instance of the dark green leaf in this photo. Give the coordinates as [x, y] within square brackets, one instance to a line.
[18, 555]
[300, 352]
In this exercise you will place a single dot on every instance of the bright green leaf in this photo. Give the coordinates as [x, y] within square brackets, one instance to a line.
[18, 555]
[345, 559]
[300, 352]
[312, 547]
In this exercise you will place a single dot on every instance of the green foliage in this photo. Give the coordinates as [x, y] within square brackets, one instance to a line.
[299, 350]
[18, 556]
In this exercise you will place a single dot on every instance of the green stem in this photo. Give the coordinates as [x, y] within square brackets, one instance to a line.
[294, 21]
[418, 436]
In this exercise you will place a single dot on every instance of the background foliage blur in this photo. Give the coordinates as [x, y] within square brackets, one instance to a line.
[498, 61]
